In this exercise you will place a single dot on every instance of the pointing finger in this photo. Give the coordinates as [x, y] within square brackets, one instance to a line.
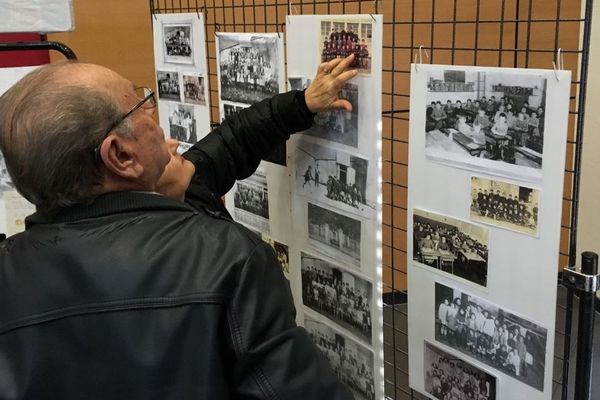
[343, 65]
[345, 77]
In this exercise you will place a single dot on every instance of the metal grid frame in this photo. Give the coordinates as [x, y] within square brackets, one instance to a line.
[505, 33]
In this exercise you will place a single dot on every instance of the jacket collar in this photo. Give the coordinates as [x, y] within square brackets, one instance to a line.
[107, 204]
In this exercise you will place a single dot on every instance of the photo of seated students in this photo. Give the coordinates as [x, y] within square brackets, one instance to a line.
[489, 115]
[456, 247]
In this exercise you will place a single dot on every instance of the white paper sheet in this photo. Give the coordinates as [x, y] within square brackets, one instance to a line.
[181, 76]
[336, 203]
[521, 276]
[37, 16]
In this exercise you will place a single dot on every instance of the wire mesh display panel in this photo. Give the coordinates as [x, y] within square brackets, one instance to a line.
[505, 33]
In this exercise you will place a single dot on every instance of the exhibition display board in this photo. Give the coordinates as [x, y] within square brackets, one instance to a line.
[486, 170]
[181, 76]
[13, 207]
[335, 178]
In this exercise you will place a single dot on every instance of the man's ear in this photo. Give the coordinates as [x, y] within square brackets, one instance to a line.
[119, 157]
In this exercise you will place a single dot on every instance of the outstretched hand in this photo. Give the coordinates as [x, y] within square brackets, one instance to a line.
[323, 92]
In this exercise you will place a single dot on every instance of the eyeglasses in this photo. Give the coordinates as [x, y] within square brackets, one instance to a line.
[148, 98]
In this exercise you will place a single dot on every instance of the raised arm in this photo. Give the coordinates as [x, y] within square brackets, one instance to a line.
[234, 150]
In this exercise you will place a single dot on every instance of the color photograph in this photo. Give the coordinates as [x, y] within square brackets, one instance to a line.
[341, 37]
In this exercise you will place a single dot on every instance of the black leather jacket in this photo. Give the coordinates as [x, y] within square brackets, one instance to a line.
[138, 296]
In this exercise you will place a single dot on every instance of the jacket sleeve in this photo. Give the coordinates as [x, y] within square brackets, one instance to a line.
[234, 150]
[275, 359]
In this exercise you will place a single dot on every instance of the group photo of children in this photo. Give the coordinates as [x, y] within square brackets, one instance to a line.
[490, 115]
[450, 378]
[339, 39]
[490, 334]
[337, 294]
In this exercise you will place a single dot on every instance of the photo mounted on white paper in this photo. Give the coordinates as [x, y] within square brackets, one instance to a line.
[487, 118]
[193, 90]
[336, 234]
[5, 179]
[352, 362]
[491, 335]
[450, 245]
[282, 252]
[339, 126]
[168, 85]
[505, 205]
[343, 36]
[450, 377]
[337, 294]
[182, 123]
[230, 108]
[251, 201]
[178, 43]
[298, 83]
[334, 177]
[248, 66]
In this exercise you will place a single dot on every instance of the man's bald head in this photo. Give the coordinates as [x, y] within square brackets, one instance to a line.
[50, 123]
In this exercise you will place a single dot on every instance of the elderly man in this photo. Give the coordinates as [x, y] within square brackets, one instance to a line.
[117, 292]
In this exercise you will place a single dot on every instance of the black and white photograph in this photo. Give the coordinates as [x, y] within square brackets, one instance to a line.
[229, 109]
[489, 115]
[333, 177]
[282, 252]
[193, 90]
[341, 37]
[339, 126]
[335, 231]
[168, 85]
[352, 363]
[337, 294]
[298, 83]
[491, 335]
[449, 377]
[5, 180]
[248, 67]
[178, 43]
[182, 123]
[505, 205]
[450, 245]
[251, 201]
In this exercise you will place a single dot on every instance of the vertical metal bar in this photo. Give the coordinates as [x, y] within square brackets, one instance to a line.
[557, 26]
[528, 40]
[265, 14]
[253, 16]
[501, 43]
[432, 31]
[477, 19]
[454, 32]
[516, 54]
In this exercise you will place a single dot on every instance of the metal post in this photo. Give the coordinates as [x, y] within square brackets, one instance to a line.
[585, 282]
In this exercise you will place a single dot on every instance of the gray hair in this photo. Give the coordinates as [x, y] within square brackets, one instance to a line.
[48, 133]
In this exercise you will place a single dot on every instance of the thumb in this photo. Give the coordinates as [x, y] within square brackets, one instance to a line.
[341, 104]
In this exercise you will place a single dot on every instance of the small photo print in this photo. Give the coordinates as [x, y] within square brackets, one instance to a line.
[178, 43]
[337, 294]
[229, 109]
[488, 333]
[450, 377]
[333, 176]
[453, 246]
[334, 233]
[168, 85]
[251, 202]
[299, 83]
[281, 251]
[487, 118]
[193, 90]
[248, 67]
[339, 126]
[352, 362]
[341, 37]
[505, 205]
[5, 180]
[182, 123]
